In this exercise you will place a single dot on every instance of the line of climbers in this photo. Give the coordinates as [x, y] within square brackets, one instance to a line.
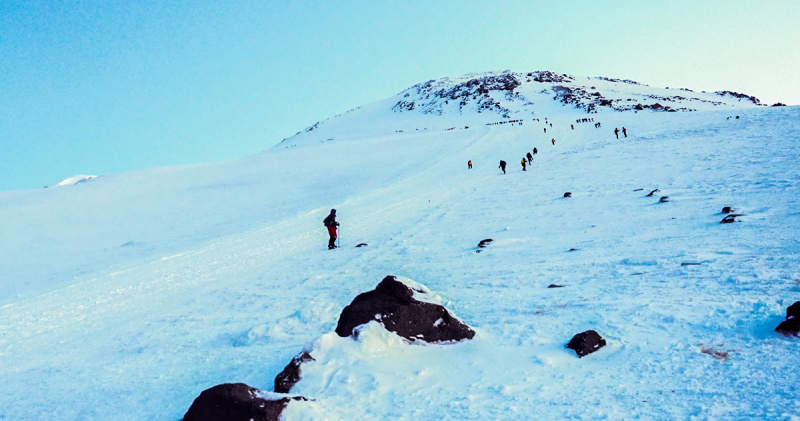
[330, 221]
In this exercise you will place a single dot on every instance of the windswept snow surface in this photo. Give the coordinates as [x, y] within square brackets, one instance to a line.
[124, 298]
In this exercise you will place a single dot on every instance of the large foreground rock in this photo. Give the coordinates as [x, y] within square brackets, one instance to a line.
[235, 402]
[791, 326]
[793, 311]
[393, 305]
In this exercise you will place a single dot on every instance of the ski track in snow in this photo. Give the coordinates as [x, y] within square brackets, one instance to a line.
[141, 337]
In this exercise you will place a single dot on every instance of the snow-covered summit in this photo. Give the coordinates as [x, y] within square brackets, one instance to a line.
[494, 97]
[508, 93]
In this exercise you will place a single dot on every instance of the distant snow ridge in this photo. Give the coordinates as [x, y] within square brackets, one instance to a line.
[73, 180]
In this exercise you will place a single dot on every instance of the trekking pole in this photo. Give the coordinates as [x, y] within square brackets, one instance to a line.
[339, 240]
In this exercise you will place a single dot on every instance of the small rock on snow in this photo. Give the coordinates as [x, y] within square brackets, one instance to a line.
[291, 374]
[586, 342]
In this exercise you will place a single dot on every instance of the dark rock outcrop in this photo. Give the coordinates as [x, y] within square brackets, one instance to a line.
[485, 242]
[664, 199]
[652, 193]
[730, 218]
[791, 326]
[586, 342]
[568, 194]
[291, 374]
[793, 310]
[555, 286]
[728, 209]
[235, 402]
[392, 304]
[749, 98]
[361, 244]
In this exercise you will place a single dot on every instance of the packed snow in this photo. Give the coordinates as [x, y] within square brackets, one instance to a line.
[124, 298]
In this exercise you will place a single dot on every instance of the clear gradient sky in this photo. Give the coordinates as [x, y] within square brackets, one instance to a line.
[104, 86]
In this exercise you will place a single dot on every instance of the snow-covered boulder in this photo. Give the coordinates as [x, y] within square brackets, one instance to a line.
[586, 342]
[406, 308]
[291, 374]
[791, 326]
[237, 402]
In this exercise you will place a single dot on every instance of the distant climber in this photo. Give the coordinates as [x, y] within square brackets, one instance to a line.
[535, 151]
[331, 224]
[554, 141]
[625, 132]
[523, 164]
[616, 132]
[530, 158]
[469, 164]
[502, 166]
[572, 126]
[545, 129]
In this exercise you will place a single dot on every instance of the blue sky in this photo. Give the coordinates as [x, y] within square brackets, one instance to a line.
[98, 87]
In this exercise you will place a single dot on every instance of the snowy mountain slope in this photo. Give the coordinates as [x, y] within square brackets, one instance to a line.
[182, 278]
[494, 97]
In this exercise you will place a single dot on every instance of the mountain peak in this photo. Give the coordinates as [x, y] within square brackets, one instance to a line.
[482, 98]
[509, 92]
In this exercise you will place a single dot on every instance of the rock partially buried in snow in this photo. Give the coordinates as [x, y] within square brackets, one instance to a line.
[568, 194]
[791, 326]
[485, 242]
[406, 308]
[586, 342]
[291, 374]
[728, 209]
[730, 218]
[237, 402]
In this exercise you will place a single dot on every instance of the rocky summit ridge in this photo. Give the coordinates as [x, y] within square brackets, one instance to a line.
[484, 92]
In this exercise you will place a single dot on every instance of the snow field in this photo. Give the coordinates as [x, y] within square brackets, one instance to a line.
[227, 277]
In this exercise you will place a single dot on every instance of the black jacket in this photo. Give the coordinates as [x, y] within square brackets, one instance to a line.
[330, 220]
